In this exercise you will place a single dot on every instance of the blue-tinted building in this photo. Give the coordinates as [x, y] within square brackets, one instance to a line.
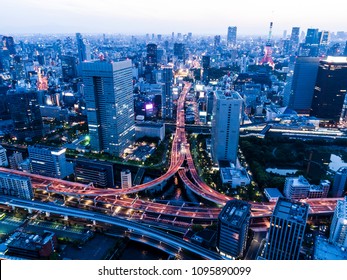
[110, 105]
[233, 223]
[303, 82]
[287, 229]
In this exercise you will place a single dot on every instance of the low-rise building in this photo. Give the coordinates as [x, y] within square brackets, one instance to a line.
[296, 187]
[125, 177]
[272, 194]
[234, 176]
[100, 173]
[299, 188]
[49, 161]
[150, 129]
[15, 185]
[319, 191]
[32, 246]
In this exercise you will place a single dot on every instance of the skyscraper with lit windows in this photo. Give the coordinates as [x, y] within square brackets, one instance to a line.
[233, 223]
[287, 229]
[25, 113]
[294, 37]
[303, 82]
[48, 161]
[226, 120]
[110, 105]
[330, 89]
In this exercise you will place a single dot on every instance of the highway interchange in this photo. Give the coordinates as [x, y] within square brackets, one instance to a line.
[116, 199]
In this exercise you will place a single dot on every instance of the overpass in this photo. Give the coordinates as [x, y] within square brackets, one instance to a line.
[180, 152]
[171, 240]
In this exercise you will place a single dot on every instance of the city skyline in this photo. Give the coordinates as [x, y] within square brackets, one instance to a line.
[157, 130]
[105, 16]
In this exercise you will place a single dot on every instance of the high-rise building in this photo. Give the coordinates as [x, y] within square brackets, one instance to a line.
[99, 173]
[296, 187]
[8, 44]
[308, 50]
[3, 157]
[312, 37]
[15, 160]
[206, 62]
[15, 185]
[166, 100]
[179, 51]
[231, 36]
[287, 91]
[217, 41]
[83, 48]
[4, 112]
[330, 89]
[303, 82]
[68, 66]
[233, 223]
[151, 57]
[345, 51]
[294, 37]
[226, 120]
[110, 105]
[48, 161]
[286, 232]
[339, 185]
[287, 46]
[324, 37]
[338, 229]
[25, 113]
[125, 177]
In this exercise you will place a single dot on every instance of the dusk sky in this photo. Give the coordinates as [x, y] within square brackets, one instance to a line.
[160, 16]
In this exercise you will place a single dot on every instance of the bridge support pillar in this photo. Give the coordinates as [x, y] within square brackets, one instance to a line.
[94, 223]
[30, 211]
[66, 218]
[48, 214]
[95, 200]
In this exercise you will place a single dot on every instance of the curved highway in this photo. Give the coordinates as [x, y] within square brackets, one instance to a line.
[179, 152]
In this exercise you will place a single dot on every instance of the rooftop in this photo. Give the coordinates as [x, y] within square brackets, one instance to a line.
[30, 242]
[273, 192]
[228, 95]
[336, 59]
[291, 210]
[149, 124]
[228, 173]
[14, 177]
[235, 213]
[342, 170]
[49, 148]
[323, 250]
[299, 181]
